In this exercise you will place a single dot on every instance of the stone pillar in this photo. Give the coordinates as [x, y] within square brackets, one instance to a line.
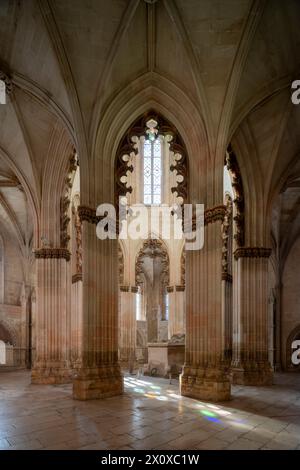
[250, 365]
[98, 374]
[271, 328]
[227, 314]
[21, 358]
[176, 321]
[33, 326]
[76, 319]
[206, 370]
[52, 363]
[127, 324]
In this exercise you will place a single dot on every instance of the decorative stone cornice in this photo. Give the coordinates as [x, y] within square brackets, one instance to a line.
[214, 214]
[170, 289]
[54, 253]
[8, 82]
[76, 277]
[252, 252]
[134, 289]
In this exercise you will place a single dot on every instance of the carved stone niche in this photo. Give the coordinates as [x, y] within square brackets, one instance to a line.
[152, 248]
[127, 146]
[239, 201]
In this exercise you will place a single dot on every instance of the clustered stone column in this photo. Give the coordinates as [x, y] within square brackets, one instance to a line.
[76, 293]
[128, 324]
[250, 365]
[227, 237]
[176, 321]
[76, 319]
[206, 370]
[52, 363]
[98, 374]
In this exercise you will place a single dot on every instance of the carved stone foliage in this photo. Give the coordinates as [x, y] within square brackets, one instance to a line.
[66, 200]
[226, 246]
[7, 80]
[152, 248]
[214, 214]
[121, 265]
[239, 201]
[78, 239]
[128, 146]
[182, 267]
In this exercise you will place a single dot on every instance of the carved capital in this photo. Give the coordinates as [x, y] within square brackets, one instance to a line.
[76, 277]
[124, 288]
[54, 253]
[227, 277]
[87, 214]
[214, 214]
[252, 252]
[180, 288]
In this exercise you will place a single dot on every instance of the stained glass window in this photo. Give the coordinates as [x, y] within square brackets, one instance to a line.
[152, 171]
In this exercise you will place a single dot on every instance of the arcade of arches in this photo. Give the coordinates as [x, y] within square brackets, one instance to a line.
[162, 103]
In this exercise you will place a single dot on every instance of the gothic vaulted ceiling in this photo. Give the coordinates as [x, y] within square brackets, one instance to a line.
[68, 59]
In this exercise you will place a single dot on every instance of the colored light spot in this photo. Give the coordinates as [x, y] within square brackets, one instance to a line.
[214, 420]
[207, 413]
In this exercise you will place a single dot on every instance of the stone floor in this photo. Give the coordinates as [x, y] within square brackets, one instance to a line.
[150, 415]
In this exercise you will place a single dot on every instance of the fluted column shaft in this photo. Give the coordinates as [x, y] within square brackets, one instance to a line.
[205, 374]
[176, 321]
[98, 374]
[76, 322]
[51, 363]
[250, 365]
[127, 325]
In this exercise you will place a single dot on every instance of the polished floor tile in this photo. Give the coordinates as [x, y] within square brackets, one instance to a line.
[150, 415]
